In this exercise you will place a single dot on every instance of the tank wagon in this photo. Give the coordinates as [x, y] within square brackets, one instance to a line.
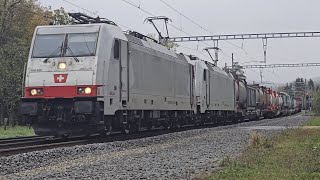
[91, 77]
[287, 103]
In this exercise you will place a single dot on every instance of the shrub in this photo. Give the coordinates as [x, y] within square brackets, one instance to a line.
[258, 140]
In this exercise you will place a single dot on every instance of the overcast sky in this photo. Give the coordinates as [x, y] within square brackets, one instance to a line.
[225, 17]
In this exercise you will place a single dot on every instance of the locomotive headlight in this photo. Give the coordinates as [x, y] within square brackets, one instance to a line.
[62, 66]
[80, 90]
[87, 90]
[84, 90]
[34, 92]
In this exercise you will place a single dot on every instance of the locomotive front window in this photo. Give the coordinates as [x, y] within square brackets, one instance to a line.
[48, 46]
[81, 44]
[65, 45]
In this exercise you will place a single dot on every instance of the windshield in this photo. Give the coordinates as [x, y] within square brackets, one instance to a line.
[81, 45]
[48, 45]
[65, 45]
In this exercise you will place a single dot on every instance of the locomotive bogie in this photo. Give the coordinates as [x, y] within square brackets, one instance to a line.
[61, 117]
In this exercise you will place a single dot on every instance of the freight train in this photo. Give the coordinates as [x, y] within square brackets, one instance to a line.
[91, 77]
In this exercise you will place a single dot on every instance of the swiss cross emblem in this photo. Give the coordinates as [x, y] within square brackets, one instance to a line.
[60, 78]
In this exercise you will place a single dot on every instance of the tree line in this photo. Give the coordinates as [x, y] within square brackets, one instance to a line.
[299, 87]
[307, 90]
[18, 19]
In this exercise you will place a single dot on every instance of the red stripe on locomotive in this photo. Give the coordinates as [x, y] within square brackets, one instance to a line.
[50, 92]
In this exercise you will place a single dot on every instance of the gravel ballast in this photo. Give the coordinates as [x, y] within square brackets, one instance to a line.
[180, 155]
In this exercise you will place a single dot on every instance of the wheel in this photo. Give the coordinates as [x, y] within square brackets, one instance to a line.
[127, 131]
[171, 124]
[127, 128]
[178, 123]
[107, 125]
[108, 130]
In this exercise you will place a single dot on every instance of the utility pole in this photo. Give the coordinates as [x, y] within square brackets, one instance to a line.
[232, 61]
[305, 94]
[261, 74]
[294, 89]
[265, 43]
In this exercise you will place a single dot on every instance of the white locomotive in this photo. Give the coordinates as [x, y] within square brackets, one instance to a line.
[93, 78]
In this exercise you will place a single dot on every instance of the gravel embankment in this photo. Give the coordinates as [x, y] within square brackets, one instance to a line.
[179, 155]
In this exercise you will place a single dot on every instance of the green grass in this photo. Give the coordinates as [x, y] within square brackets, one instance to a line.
[16, 131]
[314, 122]
[294, 154]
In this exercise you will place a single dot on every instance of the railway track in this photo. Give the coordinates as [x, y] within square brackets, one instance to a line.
[22, 139]
[14, 146]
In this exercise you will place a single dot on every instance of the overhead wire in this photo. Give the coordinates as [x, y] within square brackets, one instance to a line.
[151, 14]
[171, 25]
[93, 13]
[197, 24]
[275, 76]
[184, 16]
[147, 12]
[195, 50]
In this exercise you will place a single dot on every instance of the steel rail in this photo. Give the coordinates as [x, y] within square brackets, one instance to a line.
[38, 147]
[23, 139]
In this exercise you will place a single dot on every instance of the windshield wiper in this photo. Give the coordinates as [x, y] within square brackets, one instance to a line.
[72, 54]
[54, 53]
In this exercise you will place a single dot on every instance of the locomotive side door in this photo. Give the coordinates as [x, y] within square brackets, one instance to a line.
[192, 84]
[24, 79]
[124, 73]
[207, 79]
